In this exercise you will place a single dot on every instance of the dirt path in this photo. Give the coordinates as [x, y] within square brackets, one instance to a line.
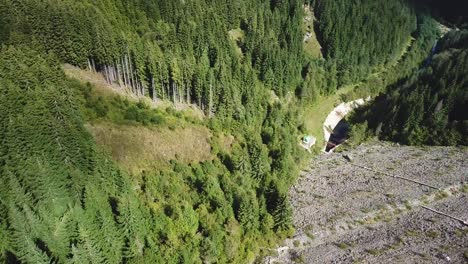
[344, 214]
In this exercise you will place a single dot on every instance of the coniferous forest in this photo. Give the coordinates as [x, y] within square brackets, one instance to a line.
[242, 64]
[429, 106]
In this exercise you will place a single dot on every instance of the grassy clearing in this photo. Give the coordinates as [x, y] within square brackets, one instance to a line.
[140, 134]
[97, 80]
[237, 35]
[138, 148]
[314, 115]
[311, 45]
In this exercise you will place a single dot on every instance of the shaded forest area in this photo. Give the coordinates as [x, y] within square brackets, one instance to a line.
[452, 12]
[428, 107]
[65, 201]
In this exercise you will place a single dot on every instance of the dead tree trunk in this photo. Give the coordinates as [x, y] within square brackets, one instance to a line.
[90, 67]
[118, 73]
[210, 104]
[153, 88]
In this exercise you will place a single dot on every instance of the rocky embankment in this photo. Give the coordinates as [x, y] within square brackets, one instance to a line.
[346, 214]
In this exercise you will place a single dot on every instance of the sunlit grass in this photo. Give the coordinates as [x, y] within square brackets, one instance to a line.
[138, 148]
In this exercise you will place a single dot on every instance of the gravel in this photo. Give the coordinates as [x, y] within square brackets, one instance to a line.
[345, 214]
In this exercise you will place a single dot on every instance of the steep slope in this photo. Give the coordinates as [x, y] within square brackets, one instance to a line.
[361, 36]
[71, 196]
[65, 200]
[345, 214]
[429, 107]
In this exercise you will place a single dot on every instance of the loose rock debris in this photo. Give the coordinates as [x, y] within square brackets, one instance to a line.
[345, 214]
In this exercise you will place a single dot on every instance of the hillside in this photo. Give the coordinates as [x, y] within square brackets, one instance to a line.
[381, 218]
[157, 131]
[429, 106]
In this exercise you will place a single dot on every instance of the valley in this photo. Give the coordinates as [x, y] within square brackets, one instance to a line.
[159, 131]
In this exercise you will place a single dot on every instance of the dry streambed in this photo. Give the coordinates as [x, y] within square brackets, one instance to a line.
[344, 214]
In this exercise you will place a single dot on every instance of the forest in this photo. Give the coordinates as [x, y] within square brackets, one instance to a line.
[63, 199]
[427, 107]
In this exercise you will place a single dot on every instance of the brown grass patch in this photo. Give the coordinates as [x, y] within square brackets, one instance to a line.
[226, 142]
[138, 148]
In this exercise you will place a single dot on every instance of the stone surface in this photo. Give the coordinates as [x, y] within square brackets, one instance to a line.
[344, 214]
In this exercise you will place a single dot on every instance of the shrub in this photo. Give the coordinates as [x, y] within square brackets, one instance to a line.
[131, 113]
[358, 133]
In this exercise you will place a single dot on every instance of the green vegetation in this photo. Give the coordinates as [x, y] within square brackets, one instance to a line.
[411, 233]
[296, 243]
[64, 200]
[375, 251]
[314, 114]
[441, 195]
[465, 188]
[342, 245]
[298, 258]
[451, 12]
[363, 35]
[137, 148]
[309, 231]
[93, 176]
[433, 234]
[428, 106]
[311, 45]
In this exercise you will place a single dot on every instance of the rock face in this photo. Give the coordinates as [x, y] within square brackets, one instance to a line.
[344, 214]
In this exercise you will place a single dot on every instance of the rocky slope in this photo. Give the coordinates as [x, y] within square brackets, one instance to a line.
[346, 214]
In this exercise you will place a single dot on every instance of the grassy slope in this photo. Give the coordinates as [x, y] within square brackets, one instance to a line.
[311, 46]
[237, 35]
[136, 147]
[314, 116]
[103, 88]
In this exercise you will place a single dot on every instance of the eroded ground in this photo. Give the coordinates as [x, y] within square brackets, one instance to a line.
[345, 214]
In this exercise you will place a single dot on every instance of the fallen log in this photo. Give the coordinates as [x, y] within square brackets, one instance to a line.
[446, 215]
[395, 176]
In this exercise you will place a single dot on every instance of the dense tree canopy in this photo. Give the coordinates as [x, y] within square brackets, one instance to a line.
[63, 200]
[361, 35]
[429, 107]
